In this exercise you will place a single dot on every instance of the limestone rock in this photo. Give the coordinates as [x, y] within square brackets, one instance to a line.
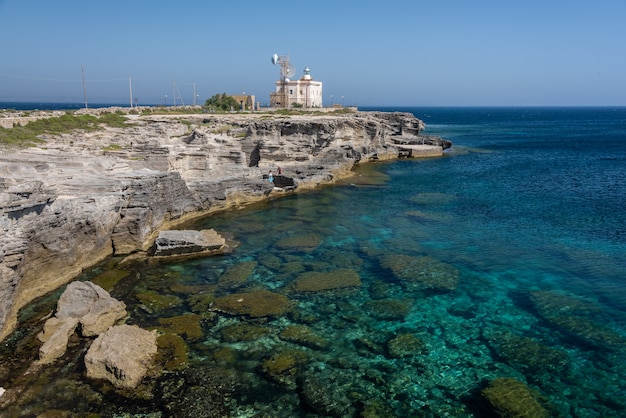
[88, 195]
[122, 355]
[55, 343]
[95, 309]
[188, 242]
[84, 305]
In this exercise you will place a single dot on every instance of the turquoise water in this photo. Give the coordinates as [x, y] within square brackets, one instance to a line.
[504, 258]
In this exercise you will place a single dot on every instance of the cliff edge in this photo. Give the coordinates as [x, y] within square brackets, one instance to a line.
[83, 196]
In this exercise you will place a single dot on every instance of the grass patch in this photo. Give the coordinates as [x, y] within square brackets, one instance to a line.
[29, 134]
[112, 147]
[173, 110]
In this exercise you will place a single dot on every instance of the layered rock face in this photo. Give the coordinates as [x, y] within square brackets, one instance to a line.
[84, 196]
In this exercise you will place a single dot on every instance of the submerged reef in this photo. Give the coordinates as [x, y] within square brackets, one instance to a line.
[512, 398]
[425, 272]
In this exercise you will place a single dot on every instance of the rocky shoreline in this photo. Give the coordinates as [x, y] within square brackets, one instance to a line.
[83, 196]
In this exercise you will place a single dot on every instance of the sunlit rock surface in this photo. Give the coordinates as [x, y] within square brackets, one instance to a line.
[81, 197]
[122, 355]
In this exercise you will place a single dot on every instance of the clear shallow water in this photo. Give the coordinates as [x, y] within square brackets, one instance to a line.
[504, 258]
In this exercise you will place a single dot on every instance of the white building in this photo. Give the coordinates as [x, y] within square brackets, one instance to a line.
[305, 92]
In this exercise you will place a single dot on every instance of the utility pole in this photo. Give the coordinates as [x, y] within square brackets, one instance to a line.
[82, 69]
[130, 87]
[195, 102]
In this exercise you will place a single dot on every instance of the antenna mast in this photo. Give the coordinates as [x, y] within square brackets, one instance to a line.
[130, 87]
[82, 69]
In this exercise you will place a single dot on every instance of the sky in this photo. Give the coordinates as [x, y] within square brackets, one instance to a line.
[375, 53]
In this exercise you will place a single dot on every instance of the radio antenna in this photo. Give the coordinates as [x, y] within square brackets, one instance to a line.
[82, 69]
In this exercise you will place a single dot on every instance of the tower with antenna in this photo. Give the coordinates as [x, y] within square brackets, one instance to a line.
[302, 93]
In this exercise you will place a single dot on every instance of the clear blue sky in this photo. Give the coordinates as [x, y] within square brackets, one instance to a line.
[406, 52]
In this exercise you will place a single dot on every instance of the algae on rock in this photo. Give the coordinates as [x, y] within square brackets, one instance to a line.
[254, 304]
[512, 398]
[316, 281]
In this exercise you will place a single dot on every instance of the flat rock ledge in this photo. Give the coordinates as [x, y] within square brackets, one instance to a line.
[189, 242]
[83, 306]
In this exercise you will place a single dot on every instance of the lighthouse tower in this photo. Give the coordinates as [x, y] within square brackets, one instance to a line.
[303, 93]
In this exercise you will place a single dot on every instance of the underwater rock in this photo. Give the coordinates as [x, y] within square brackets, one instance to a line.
[187, 326]
[590, 332]
[122, 355]
[405, 345]
[283, 367]
[173, 242]
[571, 315]
[299, 243]
[427, 272]
[377, 409]
[154, 301]
[292, 267]
[388, 309]
[512, 398]
[243, 332]
[270, 261]
[254, 304]
[172, 352]
[345, 259]
[303, 335]
[237, 275]
[551, 302]
[526, 354]
[366, 346]
[314, 281]
[198, 391]
[201, 302]
[325, 396]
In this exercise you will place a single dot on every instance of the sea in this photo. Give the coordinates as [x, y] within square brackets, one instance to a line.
[486, 282]
[31, 106]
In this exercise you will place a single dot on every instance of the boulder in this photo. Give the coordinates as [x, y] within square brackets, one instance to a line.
[188, 242]
[56, 341]
[122, 355]
[92, 305]
[82, 305]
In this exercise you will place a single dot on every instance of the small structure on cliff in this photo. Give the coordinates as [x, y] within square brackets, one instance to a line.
[246, 101]
[305, 92]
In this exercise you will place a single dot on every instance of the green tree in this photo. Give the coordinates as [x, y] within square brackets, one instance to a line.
[222, 102]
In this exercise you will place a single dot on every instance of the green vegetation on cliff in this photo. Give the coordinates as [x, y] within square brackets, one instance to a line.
[222, 102]
[29, 134]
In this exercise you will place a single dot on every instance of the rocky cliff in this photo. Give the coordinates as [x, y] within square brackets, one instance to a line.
[84, 196]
